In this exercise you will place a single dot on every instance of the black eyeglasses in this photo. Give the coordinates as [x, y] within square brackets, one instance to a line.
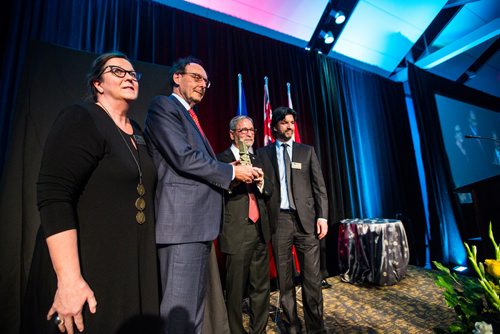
[245, 131]
[120, 72]
[198, 78]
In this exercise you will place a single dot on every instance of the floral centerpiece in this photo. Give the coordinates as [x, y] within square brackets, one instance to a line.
[476, 301]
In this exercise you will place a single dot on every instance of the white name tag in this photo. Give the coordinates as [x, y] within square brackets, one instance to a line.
[296, 165]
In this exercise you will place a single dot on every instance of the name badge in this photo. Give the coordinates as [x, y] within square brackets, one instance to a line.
[296, 165]
[139, 140]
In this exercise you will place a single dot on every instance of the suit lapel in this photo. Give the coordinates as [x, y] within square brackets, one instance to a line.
[271, 151]
[227, 156]
[297, 156]
[253, 158]
[191, 120]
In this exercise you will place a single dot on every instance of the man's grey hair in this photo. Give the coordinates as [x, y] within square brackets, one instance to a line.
[236, 120]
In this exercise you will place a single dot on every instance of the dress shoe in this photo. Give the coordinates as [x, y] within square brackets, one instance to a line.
[325, 284]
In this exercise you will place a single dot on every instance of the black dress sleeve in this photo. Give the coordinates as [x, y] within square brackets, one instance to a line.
[72, 151]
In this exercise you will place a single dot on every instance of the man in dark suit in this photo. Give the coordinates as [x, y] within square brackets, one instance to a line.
[298, 210]
[188, 197]
[244, 237]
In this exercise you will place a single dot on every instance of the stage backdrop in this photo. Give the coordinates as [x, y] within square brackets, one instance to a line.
[357, 121]
[54, 78]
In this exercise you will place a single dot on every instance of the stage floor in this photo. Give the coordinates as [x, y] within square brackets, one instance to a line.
[414, 305]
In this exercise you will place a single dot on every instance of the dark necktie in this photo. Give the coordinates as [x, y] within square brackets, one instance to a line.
[196, 121]
[288, 176]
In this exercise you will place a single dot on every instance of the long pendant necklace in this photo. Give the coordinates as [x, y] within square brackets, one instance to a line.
[140, 202]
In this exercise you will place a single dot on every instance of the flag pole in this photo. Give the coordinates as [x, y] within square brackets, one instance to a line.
[296, 136]
[290, 105]
[239, 93]
[267, 114]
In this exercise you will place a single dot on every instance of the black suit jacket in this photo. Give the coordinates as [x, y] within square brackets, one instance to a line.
[236, 208]
[308, 185]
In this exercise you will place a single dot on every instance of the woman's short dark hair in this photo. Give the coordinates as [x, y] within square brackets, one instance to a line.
[180, 67]
[279, 114]
[96, 71]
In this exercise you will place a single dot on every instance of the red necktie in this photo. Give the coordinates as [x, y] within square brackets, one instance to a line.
[253, 208]
[196, 121]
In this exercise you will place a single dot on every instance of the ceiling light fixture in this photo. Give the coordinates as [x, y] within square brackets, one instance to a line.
[327, 37]
[338, 16]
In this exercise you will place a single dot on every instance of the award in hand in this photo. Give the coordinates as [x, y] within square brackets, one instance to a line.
[244, 156]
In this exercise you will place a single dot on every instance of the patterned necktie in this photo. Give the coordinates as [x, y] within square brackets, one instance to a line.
[196, 121]
[288, 175]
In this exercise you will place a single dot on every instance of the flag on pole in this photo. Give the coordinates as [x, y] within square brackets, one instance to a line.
[242, 103]
[268, 114]
[296, 136]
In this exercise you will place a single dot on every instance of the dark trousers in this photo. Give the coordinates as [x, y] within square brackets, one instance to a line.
[183, 269]
[288, 233]
[248, 270]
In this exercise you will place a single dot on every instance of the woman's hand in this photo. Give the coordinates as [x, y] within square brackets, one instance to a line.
[69, 300]
[72, 291]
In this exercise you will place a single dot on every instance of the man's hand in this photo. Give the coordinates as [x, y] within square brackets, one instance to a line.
[321, 228]
[245, 173]
[259, 180]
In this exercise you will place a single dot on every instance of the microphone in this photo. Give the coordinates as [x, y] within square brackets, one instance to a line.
[481, 137]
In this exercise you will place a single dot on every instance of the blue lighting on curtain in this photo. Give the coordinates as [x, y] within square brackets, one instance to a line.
[453, 249]
[364, 156]
[421, 173]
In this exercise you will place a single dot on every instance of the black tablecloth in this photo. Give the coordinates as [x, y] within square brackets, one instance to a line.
[372, 251]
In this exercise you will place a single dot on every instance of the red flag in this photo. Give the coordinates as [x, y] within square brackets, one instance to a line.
[268, 114]
[296, 136]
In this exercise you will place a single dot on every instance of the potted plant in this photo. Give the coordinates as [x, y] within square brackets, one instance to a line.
[476, 301]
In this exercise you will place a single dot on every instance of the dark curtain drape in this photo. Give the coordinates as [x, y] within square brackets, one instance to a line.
[363, 138]
[356, 120]
[448, 223]
[441, 206]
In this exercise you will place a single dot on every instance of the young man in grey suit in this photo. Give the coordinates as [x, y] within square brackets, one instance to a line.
[298, 210]
[245, 233]
[189, 195]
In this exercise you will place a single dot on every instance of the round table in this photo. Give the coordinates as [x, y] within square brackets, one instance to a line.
[372, 251]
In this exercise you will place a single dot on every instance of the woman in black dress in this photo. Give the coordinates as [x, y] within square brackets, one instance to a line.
[94, 266]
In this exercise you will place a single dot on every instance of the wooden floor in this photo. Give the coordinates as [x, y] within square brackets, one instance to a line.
[414, 305]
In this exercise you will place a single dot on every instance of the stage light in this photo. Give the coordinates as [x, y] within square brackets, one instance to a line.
[308, 48]
[327, 37]
[338, 16]
[460, 269]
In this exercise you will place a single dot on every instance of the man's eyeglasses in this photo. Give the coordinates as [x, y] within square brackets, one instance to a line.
[245, 131]
[198, 78]
[119, 72]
